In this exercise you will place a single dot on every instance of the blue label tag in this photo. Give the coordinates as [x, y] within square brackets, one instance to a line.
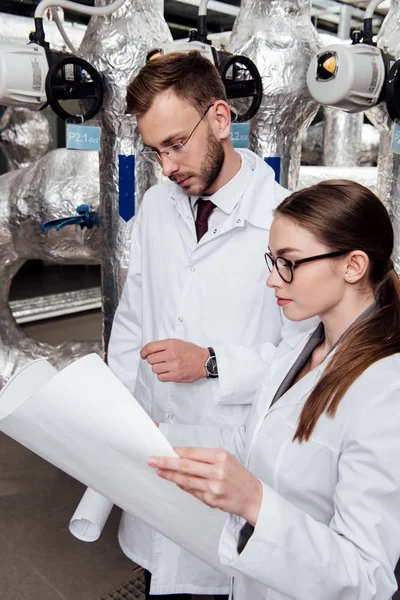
[396, 137]
[240, 135]
[275, 163]
[126, 180]
[83, 137]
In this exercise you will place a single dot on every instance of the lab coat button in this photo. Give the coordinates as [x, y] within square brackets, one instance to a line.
[169, 417]
[192, 269]
[180, 319]
[189, 218]
[238, 220]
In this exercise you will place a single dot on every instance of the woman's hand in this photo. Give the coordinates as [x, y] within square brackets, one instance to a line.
[215, 477]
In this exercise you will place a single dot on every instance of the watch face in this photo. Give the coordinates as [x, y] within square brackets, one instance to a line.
[212, 366]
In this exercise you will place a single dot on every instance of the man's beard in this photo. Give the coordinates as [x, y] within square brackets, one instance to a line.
[212, 164]
[210, 168]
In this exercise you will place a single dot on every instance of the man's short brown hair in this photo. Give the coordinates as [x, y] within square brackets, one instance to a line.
[191, 76]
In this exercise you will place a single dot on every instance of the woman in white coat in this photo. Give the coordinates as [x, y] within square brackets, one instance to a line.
[315, 510]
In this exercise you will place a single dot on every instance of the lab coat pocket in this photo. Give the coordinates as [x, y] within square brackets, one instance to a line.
[232, 310]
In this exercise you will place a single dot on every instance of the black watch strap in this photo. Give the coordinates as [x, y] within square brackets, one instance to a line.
[244, 535]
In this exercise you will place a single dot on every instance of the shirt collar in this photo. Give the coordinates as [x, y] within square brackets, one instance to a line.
[228, 196]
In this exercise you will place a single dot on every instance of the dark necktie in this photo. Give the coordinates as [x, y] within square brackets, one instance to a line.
[204, 210]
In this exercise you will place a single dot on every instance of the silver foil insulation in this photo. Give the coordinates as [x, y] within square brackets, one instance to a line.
[51, 188]
[25, 137]
[117, 47]
[314, 142]
[342, 138]
[278, 36]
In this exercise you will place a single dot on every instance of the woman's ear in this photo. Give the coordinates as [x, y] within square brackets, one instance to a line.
[357, 263]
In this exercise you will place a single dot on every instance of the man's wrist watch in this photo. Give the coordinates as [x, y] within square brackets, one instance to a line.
[210, 365]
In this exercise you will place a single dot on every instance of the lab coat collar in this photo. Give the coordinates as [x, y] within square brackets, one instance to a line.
[260, 214]
[243, 206]
[229, 195]
[280, 367]
[278, 371]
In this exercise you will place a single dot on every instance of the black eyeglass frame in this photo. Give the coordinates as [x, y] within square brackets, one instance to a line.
[177, 147]
[292, 264]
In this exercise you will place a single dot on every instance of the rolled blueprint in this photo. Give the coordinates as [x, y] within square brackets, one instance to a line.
[90, 517]
[84, 421]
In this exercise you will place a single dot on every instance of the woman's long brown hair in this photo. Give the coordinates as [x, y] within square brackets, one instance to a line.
[343, 214]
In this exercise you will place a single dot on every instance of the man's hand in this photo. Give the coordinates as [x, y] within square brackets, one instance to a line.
[215, 477]
[176, 360]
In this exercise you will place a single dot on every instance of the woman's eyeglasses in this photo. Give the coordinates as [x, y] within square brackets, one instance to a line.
[285, 267]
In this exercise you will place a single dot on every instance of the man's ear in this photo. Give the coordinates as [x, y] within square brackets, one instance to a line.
[221, 119]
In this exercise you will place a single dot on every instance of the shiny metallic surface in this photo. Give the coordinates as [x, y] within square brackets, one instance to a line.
[311, 147]
[370, 140]
[55, 305]
[279, 37]
[48, 189]
[311, 175]
[342, 138]
[25, 137]
[117, 46]
[388, 162]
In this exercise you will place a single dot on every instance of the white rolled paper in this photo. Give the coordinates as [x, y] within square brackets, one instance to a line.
[84, 421]
[90, 517]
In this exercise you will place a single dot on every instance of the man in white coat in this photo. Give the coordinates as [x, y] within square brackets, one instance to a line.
[196, 322]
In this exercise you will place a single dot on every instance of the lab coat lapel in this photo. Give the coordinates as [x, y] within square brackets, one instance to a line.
[280, 367]
[297, 394]
[277, 371]
[300, 391]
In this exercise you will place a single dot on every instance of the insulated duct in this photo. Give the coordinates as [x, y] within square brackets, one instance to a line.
[51, 188]
[24, 137]
[342, 138]
[117, 46]
[388, 161]
[279, 37]
[314, 138]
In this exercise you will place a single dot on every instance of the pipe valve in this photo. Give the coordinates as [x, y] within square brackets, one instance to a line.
[84, 218]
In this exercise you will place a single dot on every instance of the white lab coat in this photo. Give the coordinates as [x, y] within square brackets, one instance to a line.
[211, 293]
[329, 524]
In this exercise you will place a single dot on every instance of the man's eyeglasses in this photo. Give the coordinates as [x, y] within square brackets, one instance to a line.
[285, 267]
[172, 152]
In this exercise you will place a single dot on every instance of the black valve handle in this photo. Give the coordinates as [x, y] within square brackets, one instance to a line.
[392, 91]
[58, 88]
[242, 88]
